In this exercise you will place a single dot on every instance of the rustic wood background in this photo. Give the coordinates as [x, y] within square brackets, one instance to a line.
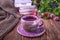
[52, 32]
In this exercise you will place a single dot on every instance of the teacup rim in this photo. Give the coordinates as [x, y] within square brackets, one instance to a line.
[30, 15]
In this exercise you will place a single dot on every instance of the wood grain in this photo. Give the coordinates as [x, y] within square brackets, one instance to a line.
[52, 32]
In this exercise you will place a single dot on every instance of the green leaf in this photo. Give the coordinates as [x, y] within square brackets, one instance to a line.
[45, 6]
[56, 11]
[44, 17]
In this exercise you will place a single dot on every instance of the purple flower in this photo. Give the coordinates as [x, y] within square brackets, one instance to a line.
[54, 6]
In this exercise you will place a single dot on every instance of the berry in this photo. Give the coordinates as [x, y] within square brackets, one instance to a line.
[52, 16]
[47, 14]
[56, 18]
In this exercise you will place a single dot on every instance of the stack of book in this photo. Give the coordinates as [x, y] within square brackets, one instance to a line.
[25, 6]
[19, 3]
[27, 10]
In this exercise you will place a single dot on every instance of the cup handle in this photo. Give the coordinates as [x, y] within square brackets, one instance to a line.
[40, 24]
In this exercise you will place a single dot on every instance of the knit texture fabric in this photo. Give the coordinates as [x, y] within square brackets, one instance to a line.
[8, 17]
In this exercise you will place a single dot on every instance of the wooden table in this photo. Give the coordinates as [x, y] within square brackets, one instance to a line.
[52, 32]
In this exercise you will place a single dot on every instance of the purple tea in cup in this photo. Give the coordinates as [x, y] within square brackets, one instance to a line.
[30, 18]
[30, 22]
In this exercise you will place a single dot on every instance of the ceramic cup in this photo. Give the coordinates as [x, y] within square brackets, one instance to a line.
[30, 22]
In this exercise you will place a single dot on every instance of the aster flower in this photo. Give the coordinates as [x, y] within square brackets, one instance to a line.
[54, 6]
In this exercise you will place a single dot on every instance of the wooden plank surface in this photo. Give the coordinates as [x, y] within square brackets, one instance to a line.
[52, 32]
[13, 35]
